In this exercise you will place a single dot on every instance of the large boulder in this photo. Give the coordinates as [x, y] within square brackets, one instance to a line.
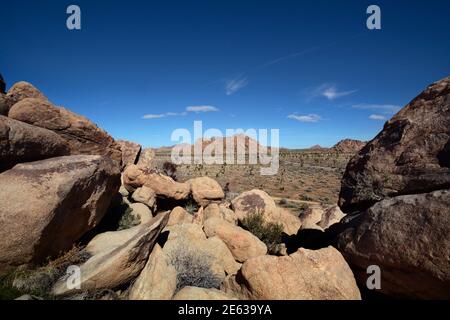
[82, 135]
[22, 90]
[304, 275]
[258, 201]
[47, 205]
[196, 293]
[410, 155]
[189, 239]
[21, 142]
[146, 196]
[145, 159]
[158, 279]
[179, 216]
[206, 190]
[130, 152]
[167, 188]
[242, 244]
[117, 257]
[133, 177]
[408, 237]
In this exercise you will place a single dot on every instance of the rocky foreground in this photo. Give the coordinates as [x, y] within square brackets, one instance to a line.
[72, 195]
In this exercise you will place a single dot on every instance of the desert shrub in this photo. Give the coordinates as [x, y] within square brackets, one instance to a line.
[170, 169]
[193, 269]
[39, 281]
[128, 220]
[191, 206]
[268, 232]
[283, 202]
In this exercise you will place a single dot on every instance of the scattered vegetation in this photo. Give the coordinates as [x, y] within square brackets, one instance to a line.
[39, 281]
[128, 220]
[193, 269]
[269, 233]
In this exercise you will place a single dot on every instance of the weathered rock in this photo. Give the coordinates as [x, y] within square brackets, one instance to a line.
[145, 159]
[206, 190]
[408, 237]
[179, 216]
[304, 275]
[146, 196]
[130, 152]
[82, 135]
[196, 293]
[212, 211]
[228, 214]
[242, 244]
[21, 142]
[191, 238]
[411, 154]
[199, 217]
[332, 215]
[348, 146]
[142, 212]
[47, 205]
[165, 187]
[158, 279]
[258, 201]
[133, 177]
[22, 90]
[116, 259]
[123, 192]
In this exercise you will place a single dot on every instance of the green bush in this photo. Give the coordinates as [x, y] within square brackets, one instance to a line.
[128, 220]
[268, 232]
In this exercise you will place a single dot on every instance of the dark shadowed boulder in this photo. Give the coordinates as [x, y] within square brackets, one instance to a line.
[81, 134]
[2, 85]
[408, 237]
[410, 155]
[3, 106]
[21, 142]
[130, 152]
[47, 205]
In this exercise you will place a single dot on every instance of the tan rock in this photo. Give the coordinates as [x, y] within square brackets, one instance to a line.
[158, 279]
[199, 217]
[81, 134]
[120, 263]
[141, 211]
[133, 177]
[146, 196]
[228, 214]
[258, 201]
[242, 244]
[206, 190]
[179, 216]
[145, 160]
[47, 205]
[21, 142]
[22, 90]
[130, 152]
[196, 293]
[304, 275]
[166, 187]
[212, 211]
[190, 237]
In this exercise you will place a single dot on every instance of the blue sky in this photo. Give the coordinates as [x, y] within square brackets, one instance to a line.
[309, 68]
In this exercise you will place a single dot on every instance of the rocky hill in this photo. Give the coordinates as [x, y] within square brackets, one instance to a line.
[348, 146]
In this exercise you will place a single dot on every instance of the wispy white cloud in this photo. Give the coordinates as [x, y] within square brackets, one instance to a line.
[383, 108]
[236, 84]
[305, 118]
[329, 91]
[163, 115]
[198, 109]
[377, 117]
